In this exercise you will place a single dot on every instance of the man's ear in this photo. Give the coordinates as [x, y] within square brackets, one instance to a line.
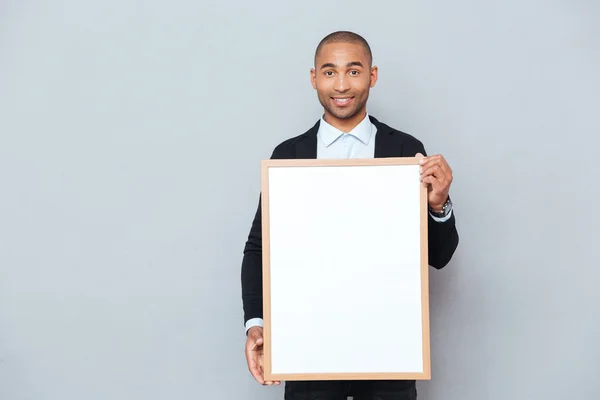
[313, 78]
[374, 75]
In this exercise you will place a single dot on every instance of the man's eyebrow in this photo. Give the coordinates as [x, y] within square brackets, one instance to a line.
[354, 64]
[328, 65]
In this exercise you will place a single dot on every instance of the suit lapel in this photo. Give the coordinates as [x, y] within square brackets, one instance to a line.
[385, 145]
[307, 147]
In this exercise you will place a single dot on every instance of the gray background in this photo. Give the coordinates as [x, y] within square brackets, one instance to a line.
[131, 134]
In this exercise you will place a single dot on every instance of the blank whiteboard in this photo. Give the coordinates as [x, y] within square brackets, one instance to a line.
[345, 269]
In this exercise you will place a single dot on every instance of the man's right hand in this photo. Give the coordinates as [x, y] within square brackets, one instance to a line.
[254, 355]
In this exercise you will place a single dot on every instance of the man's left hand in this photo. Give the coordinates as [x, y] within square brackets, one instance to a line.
[437, 175]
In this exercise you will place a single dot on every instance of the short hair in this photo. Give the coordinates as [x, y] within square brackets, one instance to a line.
[344, 37]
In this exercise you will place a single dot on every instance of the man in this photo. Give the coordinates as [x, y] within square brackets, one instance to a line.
[342, 76]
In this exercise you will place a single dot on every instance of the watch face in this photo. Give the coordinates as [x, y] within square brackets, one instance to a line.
[445, 210]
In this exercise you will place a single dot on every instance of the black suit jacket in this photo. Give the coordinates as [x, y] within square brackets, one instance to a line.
[442, 240]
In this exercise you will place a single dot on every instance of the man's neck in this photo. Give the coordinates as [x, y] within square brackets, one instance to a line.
[345, 125]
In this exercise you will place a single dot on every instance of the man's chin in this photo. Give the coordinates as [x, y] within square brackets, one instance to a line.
[340, 113]
[344, 115]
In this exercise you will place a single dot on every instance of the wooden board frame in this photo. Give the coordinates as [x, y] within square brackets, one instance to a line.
[266, 275]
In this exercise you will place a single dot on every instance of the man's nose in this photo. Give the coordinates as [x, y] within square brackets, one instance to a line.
[342, 84]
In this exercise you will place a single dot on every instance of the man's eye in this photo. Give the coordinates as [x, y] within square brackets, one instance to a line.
[353, 72]
[329, 73]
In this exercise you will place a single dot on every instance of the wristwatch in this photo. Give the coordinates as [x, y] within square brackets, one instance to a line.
[445, 209]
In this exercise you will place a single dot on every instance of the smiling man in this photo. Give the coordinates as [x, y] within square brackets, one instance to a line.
[342, 76]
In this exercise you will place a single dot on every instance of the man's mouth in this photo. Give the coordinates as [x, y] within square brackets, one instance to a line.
[340, 101]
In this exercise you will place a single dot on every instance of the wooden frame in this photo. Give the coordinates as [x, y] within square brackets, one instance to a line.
[424, 373]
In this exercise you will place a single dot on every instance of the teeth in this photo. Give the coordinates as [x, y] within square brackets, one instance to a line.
[342, 100]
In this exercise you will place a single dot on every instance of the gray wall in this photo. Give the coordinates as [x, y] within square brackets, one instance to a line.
[124, 204]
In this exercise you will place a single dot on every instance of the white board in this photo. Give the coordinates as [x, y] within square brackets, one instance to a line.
[345, 269]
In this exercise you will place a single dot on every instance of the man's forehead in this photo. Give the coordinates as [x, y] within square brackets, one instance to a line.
[342, 51]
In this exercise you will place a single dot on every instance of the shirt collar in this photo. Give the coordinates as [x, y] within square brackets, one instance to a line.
[330, 134]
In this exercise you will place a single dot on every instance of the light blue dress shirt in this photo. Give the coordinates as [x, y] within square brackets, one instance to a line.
[358, 143]
[333, 143]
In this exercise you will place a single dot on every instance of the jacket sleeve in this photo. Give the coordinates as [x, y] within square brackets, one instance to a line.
[252, 270]
[442, 236]
[251, 274]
